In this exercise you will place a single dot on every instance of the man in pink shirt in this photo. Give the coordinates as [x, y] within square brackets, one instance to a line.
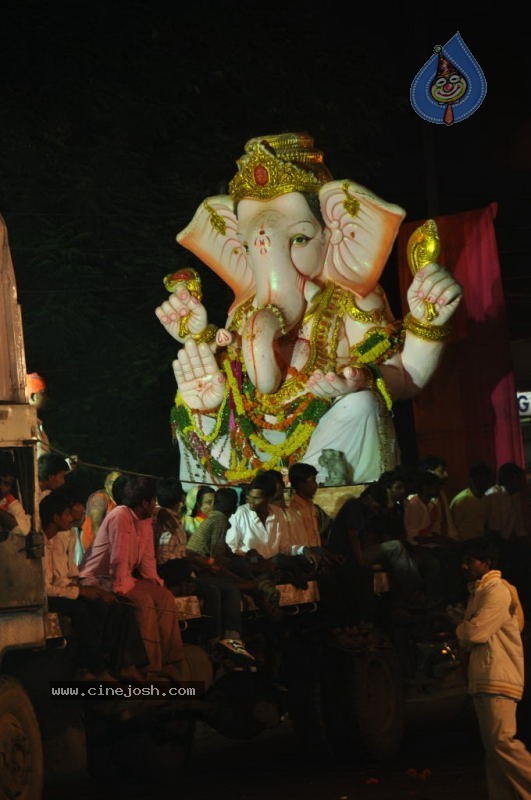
[122, 559]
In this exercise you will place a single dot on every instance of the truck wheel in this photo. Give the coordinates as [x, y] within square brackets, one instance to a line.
[21, 763]
[364, 706]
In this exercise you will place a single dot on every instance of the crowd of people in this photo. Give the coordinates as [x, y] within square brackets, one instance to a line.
[114, 563]
[226, 544]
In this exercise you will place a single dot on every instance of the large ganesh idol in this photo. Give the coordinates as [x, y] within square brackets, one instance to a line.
[311, 357]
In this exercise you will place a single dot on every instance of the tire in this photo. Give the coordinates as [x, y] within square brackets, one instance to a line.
[21, 761]
[241, 708]
[364, 705]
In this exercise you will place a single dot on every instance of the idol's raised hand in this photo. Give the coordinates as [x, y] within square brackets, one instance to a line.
[199, 379]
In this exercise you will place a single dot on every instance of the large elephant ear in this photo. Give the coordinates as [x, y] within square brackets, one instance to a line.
[211, 236]
[363, 228]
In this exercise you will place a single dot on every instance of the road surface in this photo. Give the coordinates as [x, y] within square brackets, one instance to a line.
[434, 765]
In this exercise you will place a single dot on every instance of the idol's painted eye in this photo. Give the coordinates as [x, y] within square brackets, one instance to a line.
[454, 78]
[440, 82]
[300, 240]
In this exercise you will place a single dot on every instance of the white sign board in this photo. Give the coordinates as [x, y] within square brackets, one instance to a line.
[524, 403]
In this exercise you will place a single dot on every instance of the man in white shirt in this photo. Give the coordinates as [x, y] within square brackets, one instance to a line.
[260, 532]
[423, 523]
[422, 513]
[257, 526]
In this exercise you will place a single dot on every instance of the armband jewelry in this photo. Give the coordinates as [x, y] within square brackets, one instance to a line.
[425, 330]
[276, 312]
[207, 335]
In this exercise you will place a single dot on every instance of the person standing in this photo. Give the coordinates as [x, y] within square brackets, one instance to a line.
[491, 634]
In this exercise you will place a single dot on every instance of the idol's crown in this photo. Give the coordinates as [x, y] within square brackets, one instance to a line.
[278, 164]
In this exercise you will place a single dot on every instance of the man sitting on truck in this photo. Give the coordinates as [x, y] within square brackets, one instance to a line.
[122, 560]
[218, 586]
[105, 633]
[309, 523]
[260, 531]
[13, 518]
[52, 469]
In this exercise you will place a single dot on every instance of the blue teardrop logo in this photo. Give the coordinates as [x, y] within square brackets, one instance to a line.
[450, 86]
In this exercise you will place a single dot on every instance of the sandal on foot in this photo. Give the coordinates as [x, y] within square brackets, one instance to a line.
[237, 648]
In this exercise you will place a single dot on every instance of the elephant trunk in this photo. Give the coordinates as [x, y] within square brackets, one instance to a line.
[258, 339]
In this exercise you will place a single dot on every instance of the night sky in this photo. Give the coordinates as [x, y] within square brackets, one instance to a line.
[118, 122]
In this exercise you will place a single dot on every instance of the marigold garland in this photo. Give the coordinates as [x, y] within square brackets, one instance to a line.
[298, 423]
[242, 413]
[381, 388]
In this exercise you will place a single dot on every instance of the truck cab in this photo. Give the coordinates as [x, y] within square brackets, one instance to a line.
[23, 607]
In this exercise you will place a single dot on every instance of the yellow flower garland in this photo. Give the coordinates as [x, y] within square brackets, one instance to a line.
[328, 313]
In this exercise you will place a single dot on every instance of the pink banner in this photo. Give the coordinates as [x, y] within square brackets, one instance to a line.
[468, 412]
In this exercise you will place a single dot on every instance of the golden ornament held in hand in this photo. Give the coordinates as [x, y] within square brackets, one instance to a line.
[423, 248]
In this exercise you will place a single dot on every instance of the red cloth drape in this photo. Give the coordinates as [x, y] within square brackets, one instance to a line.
[468, 411]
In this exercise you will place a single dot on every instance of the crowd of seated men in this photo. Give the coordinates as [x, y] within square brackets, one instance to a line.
[225, 544]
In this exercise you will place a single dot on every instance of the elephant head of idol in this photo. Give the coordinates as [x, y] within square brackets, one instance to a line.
[283, 233]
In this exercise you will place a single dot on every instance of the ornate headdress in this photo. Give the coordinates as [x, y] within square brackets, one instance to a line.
[445, 68]
[278, 164]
